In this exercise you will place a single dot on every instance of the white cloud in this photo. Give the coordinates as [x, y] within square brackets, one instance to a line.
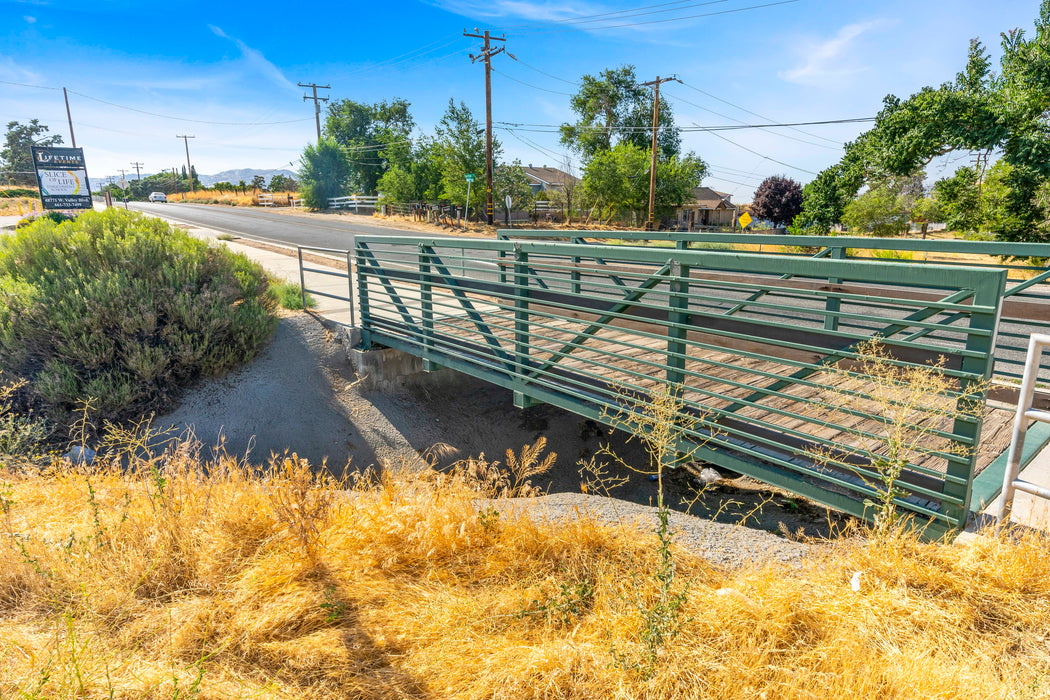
[29, 19]
[830, 62]
[15, 72]
[255, 60]
[536, 11]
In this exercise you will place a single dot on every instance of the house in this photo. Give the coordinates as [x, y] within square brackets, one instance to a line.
[544, 178]
[707, 208]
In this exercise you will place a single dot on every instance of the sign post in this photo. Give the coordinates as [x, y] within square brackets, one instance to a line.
[62, 176]
[466, 209]
[744, 220]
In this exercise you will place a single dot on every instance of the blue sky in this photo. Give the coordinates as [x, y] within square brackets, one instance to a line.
[239, 63]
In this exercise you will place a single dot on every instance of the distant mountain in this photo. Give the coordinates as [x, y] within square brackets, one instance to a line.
[245, 174]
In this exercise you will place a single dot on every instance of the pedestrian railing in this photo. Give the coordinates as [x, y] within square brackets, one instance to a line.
[1026, 307]
[748, 342]
[344, 255]
[1026, 414]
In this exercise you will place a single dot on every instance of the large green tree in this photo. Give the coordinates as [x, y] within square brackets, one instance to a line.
[417, 180]
[459, 148]
[981, 111]
[375, 137]
[323, 173]
[16, 161]
[617, 181]
[613, 108]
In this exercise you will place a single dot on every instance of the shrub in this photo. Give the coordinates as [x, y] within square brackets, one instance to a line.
[54, 216]
[123, 310]
[14, 192]
[289, 296]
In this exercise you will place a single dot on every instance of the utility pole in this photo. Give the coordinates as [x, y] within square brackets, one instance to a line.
[138, 173]
[317, 103]
[189, 168]
[69, 116]
[174, 182]
[655, 84]
[487, 53]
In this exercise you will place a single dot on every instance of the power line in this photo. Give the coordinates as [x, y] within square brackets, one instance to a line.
[554, 128]
[534, 87]
[761, 155]
[726, 116]
[183, 119]
[754, 114]
[541, 72]
[670, 19]
[625, 14]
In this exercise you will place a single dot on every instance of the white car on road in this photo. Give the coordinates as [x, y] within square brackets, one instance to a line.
[158, 197]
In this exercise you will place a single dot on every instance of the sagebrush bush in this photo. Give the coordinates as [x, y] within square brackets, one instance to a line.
[123, 310]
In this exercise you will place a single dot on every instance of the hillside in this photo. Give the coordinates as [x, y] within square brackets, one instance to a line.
[245, 174]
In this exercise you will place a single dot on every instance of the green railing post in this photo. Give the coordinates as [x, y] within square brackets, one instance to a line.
[677, 324]
[575, 274]
[426, 304]
[362, 296]
[521, 324]
[987, 303]
[834, 304]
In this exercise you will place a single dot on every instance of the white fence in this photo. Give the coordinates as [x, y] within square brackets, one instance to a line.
[355, 201]
[265, 200]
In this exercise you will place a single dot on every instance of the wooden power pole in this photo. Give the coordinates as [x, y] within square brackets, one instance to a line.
[138, 172]
[655, 84]
[487, 53]
[317, 103]
[69, 116]
[189, 168]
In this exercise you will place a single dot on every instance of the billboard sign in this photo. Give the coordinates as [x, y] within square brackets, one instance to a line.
[62, 176]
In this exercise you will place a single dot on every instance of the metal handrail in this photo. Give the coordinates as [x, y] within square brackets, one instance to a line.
[1011, 483]
[349, 277]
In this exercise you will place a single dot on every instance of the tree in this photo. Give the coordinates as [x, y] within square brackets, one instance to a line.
[459, 147]
[324, 173]
[242, 185]
[980, 112]
[884, 209]
[375, 137]
[777, 199]
[927, 210]
[258, 182]
[510, 179]
[283, 183]
[16, 160]
[618, 180]
[417, 180]
[613, 108]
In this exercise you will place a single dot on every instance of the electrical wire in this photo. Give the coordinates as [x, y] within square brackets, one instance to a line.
[555, 128]
[623, 14]
[670, 19]
[726, 116]
[754, 114]
[534, 87]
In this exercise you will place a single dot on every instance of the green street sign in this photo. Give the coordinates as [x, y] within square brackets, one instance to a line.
[470, 177]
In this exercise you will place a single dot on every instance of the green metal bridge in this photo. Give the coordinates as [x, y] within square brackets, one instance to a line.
[750, 342]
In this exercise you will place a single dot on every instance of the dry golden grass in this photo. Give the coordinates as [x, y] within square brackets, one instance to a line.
[162, 579]
[18, 206]
[235, 199]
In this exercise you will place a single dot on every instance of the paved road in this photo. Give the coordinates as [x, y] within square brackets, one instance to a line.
[336, 232]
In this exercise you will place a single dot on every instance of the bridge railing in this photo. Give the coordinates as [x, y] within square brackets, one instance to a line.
[1026, 307]
[750, 343]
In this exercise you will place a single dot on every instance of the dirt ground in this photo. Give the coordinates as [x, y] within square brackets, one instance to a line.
[299, 396]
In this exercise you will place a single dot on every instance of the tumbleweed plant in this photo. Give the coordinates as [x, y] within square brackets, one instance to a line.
[896, 415]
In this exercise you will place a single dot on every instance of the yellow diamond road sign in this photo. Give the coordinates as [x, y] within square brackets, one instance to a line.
[744, 220]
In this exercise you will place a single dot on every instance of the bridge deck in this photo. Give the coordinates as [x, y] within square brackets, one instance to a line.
[716, 379]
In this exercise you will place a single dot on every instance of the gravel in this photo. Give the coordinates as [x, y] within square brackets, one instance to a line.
[299, 396]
